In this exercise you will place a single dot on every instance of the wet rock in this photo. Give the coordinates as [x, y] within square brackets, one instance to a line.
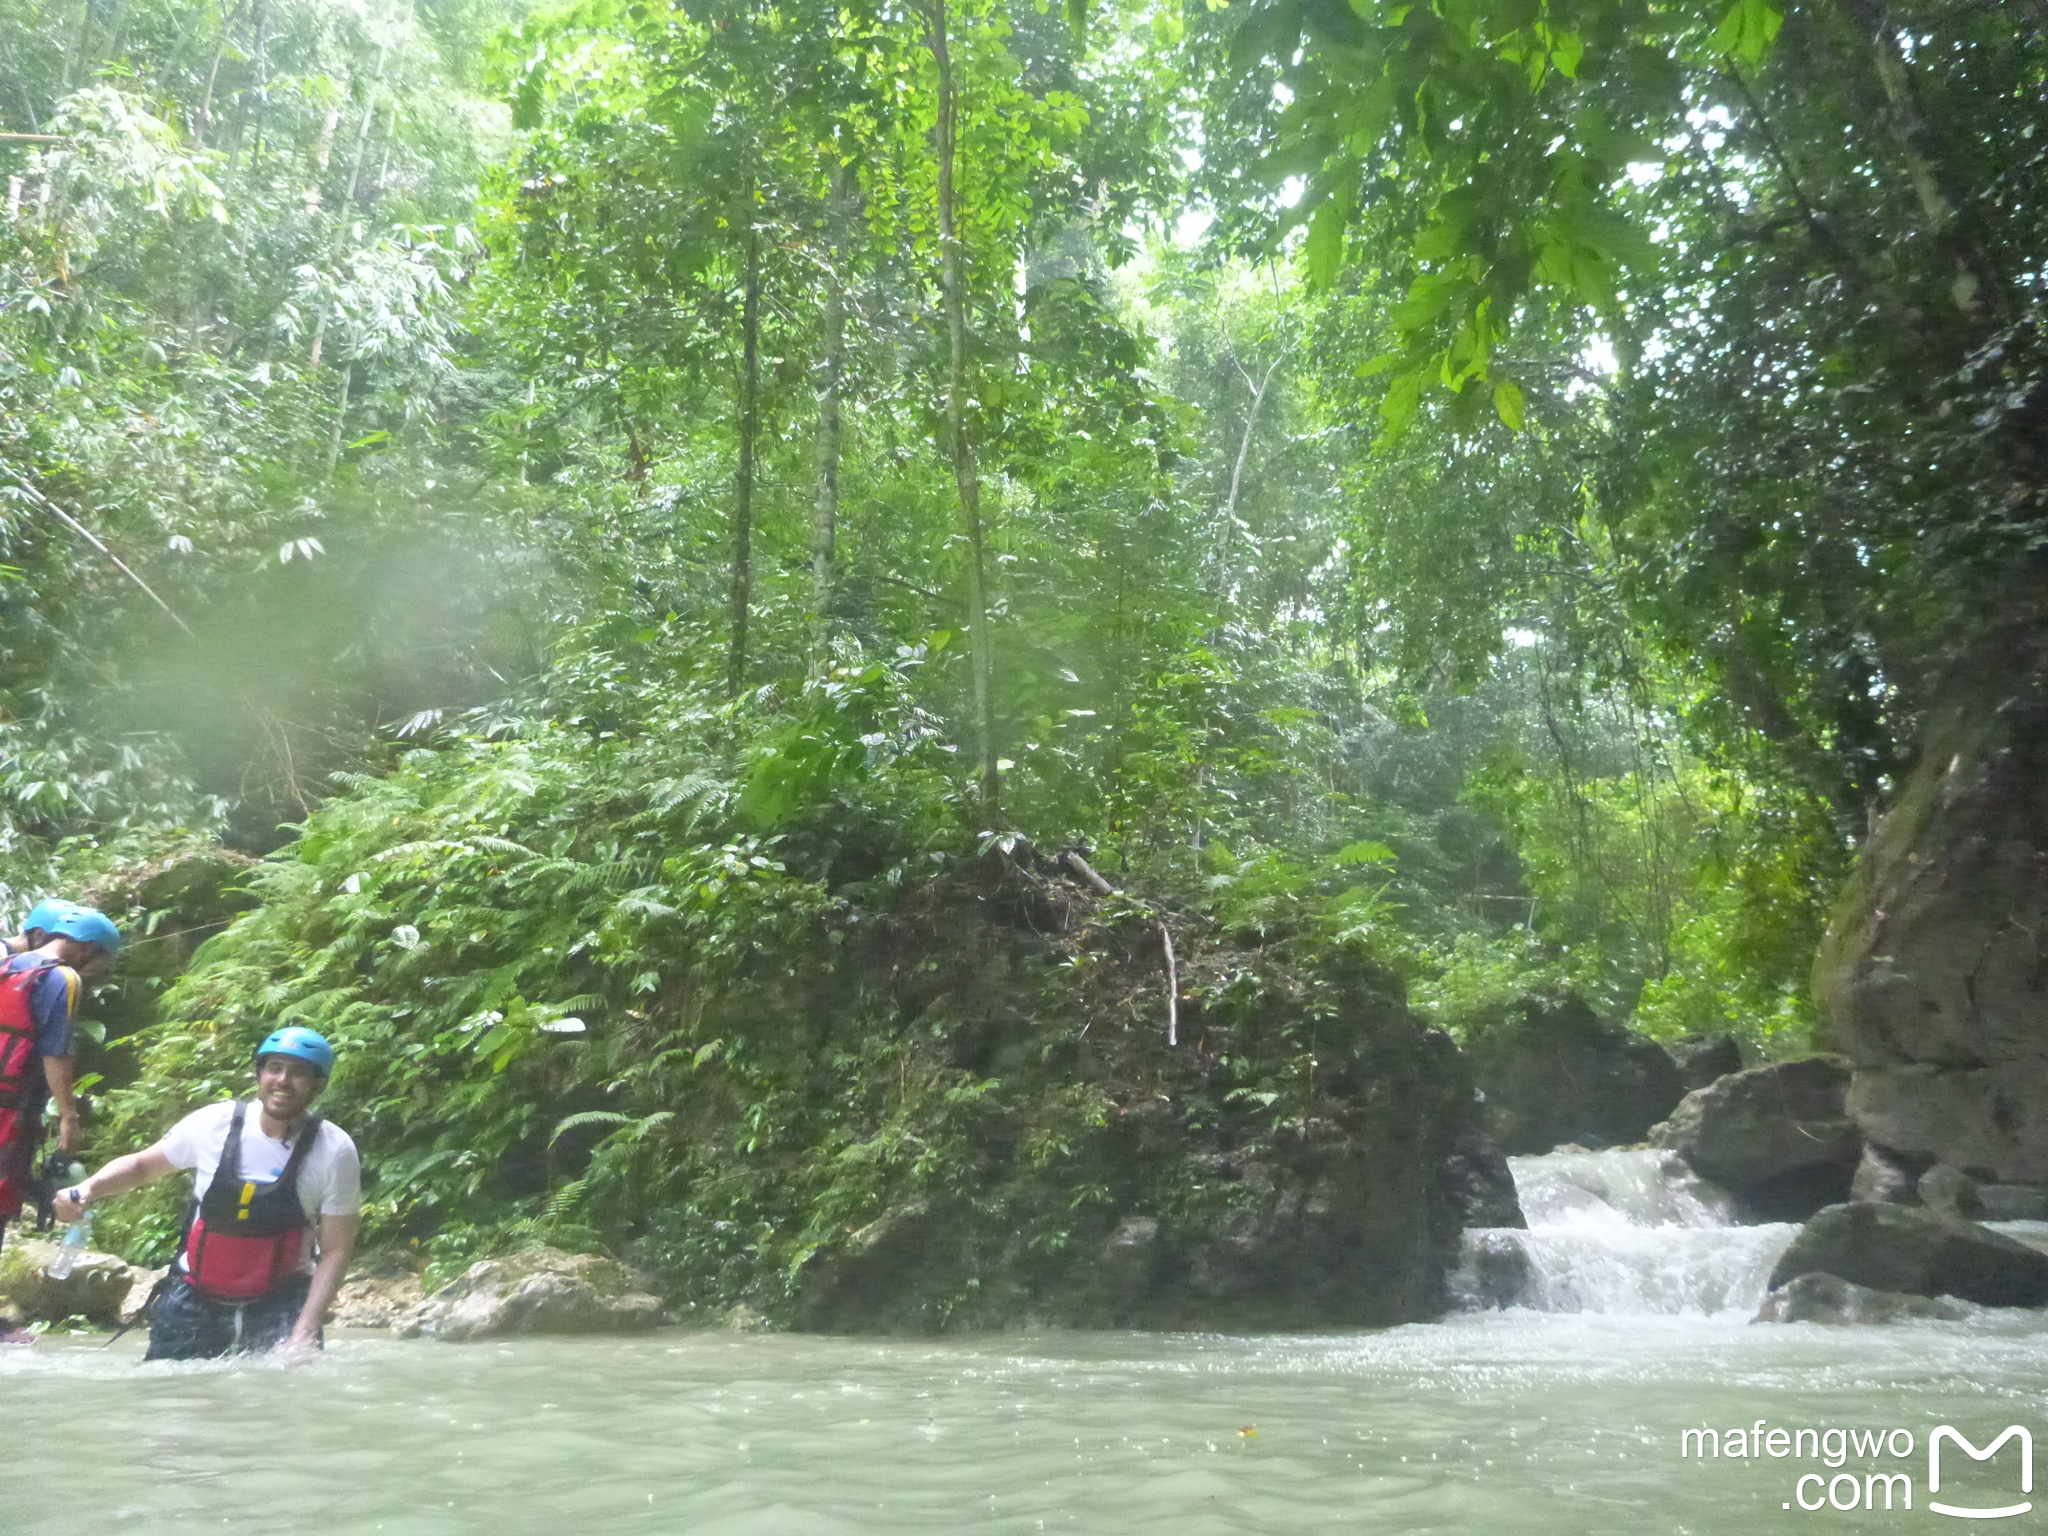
[1950, 1191]
[2013, 1202]
[1554, 1071]
[538, 1291]
[1495, 1272]
[1479, 1181]
[1889, 1176]
[97, 1287]
[142, 1287]
[375, 1301]
[1703, 1058]
[1920, 1252]
[1133, 1246]
[1777, 1137]
[1825, 1298]
[1933, 976]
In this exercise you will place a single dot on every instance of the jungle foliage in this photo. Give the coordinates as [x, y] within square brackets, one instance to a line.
[1483, 488]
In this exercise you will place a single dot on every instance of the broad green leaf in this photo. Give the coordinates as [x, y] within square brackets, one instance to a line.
[1324, 252]
[1403, 399]
[1747, 31]
[1507, 403]
[1566, 49]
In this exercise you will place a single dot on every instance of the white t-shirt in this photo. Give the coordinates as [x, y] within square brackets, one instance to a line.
[330, 1180]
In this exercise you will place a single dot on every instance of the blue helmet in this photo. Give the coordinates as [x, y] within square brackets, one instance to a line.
[88, 925]
[305, 1044]
[46, 914]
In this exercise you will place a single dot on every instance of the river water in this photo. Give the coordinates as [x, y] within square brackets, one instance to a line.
[1561, 1414]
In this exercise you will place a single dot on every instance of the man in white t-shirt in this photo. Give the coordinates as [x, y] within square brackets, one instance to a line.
[271, 1228]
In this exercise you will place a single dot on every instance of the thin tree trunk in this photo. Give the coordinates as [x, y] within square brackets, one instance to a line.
[831, 375]
[348, 198]
[203, 117]
[74, 56]
[334, 428]
[1244, 455]
[743, 479]
[1975, 287]
[965, 474]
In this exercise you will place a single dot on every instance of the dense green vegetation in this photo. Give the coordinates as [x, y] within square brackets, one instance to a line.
[609, 498]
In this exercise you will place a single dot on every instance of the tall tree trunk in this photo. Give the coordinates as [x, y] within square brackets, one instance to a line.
[743, 478]
[965, 475]
[1975, 286]
[831, 373]
[348, 198]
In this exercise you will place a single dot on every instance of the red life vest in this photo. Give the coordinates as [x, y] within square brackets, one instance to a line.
[21, 1096]
[245, 1237]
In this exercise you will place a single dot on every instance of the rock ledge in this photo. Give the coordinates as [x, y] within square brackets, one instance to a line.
[539, 1291]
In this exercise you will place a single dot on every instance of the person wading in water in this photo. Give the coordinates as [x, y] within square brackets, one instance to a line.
[278, 1195]
[38, 995]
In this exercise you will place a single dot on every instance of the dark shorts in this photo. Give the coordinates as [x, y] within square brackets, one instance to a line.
[187, 1325]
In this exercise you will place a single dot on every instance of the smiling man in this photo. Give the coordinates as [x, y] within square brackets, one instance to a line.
[277, 1197]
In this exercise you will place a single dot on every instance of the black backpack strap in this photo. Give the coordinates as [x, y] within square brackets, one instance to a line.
[227, 1173]
[309, 1133]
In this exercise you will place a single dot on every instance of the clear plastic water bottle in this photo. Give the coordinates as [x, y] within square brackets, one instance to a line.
[77, 1239]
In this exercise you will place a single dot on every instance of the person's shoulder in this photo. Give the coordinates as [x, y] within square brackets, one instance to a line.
[198, 1135]
[206, 1116]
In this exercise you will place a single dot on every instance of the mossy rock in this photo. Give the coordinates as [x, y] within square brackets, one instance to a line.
[97, 1288]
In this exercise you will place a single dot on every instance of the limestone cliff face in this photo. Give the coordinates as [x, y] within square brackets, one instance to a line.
[1933, 978]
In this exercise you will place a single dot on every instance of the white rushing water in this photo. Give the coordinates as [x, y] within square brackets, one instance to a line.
[1620, 1233]
[1561, 1422]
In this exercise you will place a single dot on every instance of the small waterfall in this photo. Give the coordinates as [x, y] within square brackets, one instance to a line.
[1619, 1232]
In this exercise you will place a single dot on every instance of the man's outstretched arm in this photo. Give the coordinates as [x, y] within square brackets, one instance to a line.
[117, 1178]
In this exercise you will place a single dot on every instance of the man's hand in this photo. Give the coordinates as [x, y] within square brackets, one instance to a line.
[68, 1210]
[67, 1130]
[299, 1348]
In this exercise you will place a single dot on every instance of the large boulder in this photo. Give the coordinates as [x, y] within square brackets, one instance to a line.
[1883, 1174]
[1921, 1252]
[1950, 1191]
[99, 1287]
[1933, 976]
[1216, 1203]
[1554, 1071]
[538, 1291]
[1822, 1298]
[1907, 1179]
[1495, 1273]
[1480, 1183]
[376, 1301]
[1778, 1137]
[1703, 1058]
